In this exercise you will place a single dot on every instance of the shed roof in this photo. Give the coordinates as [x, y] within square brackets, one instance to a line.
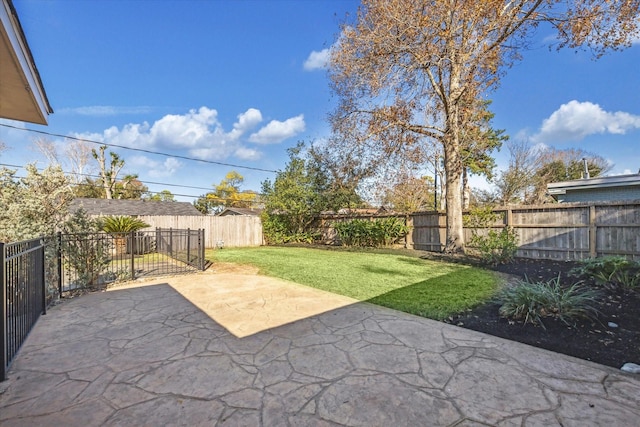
[558, 188]
[133, 207]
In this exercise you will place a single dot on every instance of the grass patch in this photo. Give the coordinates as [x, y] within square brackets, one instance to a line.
[427, 288]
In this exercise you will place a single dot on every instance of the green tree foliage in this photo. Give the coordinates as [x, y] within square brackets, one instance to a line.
[297, 196]
[33, 206]
[162, 196]
[130, 187]
[89, 188]
[371, 233]
[226, 194]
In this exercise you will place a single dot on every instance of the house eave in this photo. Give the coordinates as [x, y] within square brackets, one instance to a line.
[22, 94]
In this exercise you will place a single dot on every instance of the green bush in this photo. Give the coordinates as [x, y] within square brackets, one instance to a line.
[87, 257]
[371, 233]
[533, 301]
[496, 247]
[493, 247]
[612, 271]
[278, 230]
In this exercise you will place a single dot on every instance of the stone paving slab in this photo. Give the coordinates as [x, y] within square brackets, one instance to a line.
[243, 350]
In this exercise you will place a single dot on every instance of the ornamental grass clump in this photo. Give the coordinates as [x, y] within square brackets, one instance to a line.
[533, 301]
[611, 272]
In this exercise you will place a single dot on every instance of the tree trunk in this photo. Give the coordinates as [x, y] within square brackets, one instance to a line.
[455, 236]
[453, 170]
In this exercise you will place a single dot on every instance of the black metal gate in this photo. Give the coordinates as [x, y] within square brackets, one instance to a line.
[90, 260]
[23, 294]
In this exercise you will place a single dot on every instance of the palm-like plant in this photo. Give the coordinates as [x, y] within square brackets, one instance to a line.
[122, 224]
[119, 225]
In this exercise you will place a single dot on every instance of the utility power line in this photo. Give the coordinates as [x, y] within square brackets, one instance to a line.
[141, 150]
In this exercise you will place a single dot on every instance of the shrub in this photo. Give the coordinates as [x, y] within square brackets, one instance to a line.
[496, 247]
[532, 301]
[610, 272]
[493, 247]
[371, 233]
[87, 257]
[277, 229]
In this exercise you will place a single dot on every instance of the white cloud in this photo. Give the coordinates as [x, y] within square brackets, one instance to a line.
[200, 133]
[575, 120]
[277, 131]
[105, 110]
[317, 60]
[245, 153]
[153, 168]
[246, 121]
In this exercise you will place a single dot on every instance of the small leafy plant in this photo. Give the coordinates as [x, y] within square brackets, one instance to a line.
[612, 272]
[533, 301]
[493, 247]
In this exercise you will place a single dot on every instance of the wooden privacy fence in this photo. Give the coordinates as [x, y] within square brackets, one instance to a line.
[230, 231]
[567, 231]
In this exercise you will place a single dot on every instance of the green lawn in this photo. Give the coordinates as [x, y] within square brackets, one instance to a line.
[427, 288]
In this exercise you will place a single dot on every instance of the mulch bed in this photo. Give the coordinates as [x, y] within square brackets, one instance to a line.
[595, 341]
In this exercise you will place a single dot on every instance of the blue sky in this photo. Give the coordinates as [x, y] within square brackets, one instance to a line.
[241, 81]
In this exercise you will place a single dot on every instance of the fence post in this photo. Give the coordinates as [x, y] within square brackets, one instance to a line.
[59, 259]
[592, 232]
[3, 314]
[188, 246]
[133, 252]
[42, 274]
[170, 241]
[201, 248]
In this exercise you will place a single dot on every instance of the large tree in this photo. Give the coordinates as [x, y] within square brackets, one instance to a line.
[297, 196]
[108, 170]
[409, 70]
[33, 206]
[532, 168]
[226, 194]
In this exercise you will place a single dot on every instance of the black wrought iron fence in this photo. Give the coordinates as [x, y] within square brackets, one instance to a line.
[89, 260]
[23, 294]
[33, 272]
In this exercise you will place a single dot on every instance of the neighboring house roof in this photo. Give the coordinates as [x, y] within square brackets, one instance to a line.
[107, 207]
[240, 211]
[22, 95]
[556, 189]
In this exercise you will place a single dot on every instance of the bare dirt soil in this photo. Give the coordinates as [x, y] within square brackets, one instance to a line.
[597, 341]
